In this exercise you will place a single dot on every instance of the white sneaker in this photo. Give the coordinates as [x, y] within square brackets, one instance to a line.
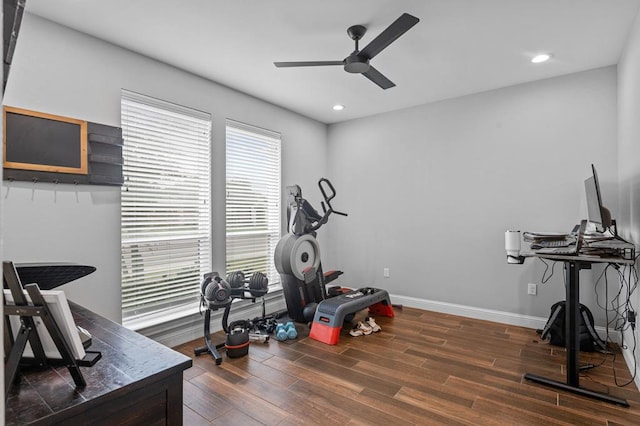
[372, 323]
[366, 328]
[355, 332]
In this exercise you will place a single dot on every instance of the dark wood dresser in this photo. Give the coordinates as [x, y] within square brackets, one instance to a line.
[137, 382]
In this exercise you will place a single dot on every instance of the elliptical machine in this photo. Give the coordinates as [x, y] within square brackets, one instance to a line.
[297, 255]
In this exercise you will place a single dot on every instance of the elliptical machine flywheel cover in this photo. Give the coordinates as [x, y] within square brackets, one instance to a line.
[294, 254]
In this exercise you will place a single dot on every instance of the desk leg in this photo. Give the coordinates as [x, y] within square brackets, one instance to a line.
[572, 322]
[572, 333]
[576, 389]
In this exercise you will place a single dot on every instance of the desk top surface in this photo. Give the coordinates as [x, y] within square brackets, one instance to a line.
[129, 359]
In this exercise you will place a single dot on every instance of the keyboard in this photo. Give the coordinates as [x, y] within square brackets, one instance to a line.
[554, 243]
[558, 250]
[571, 249]
[564, 242]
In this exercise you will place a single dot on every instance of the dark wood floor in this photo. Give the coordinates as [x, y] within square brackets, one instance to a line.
[423, 368]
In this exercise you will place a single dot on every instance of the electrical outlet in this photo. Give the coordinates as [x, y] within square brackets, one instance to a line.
[385, 272]
[532, 289]
[631, 317]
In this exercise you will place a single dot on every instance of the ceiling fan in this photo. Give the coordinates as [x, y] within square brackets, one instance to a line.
[358, 61]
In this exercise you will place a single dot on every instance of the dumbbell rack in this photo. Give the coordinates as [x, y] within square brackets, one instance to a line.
[209, 346]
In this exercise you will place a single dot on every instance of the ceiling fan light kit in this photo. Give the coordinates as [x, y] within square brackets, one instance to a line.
[358, 61]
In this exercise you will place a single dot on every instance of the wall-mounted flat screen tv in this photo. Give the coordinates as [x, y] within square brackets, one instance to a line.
[45, 142]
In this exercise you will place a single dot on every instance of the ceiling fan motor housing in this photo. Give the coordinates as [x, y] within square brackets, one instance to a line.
[356, 64]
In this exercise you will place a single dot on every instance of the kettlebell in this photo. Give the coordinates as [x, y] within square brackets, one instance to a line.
[309, 311]
[237, 341]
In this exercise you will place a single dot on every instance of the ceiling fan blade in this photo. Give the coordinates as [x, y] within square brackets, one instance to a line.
[389, 35]
[379, 79]
[307, 64]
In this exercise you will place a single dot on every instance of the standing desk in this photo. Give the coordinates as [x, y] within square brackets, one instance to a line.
[573, 265]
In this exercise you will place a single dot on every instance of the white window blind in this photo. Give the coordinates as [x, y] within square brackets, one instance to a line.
[253, 199]
[165, 211]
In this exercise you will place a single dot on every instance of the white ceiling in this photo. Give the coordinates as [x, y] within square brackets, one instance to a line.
[458, 47]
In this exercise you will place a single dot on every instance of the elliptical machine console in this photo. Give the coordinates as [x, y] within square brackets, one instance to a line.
[297, 255]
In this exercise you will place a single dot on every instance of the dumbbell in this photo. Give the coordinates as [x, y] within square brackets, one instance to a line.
[258, 283]
[215, 290]
[236, 280]
[286, 331]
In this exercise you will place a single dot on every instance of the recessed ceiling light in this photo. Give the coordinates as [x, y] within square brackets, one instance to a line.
[544, 57]
[338, 107]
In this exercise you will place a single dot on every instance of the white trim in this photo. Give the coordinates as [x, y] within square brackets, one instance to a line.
[471, 312]
[253, 129]
[628, 357]
[151, 319]
[157, 319]
[162, 104]
[486, 314]
[186, 329]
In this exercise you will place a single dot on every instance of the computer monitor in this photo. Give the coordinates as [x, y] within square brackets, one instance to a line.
[598, 214]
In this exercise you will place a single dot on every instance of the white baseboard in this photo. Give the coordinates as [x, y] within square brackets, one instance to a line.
[631, 363]
[485, 314]
[470, 312]
[183, 330]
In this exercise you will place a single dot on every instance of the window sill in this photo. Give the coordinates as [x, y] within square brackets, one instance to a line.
[174, 328]
[156, 318]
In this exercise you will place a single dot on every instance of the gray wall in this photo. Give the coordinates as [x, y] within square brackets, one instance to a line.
[430, 190]
[64, 72]
[629, 149]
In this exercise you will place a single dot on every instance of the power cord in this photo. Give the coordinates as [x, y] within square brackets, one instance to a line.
[546, 280]
[624, 316]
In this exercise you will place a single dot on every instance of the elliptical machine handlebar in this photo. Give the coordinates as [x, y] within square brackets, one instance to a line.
[302, 218]
[327, 199]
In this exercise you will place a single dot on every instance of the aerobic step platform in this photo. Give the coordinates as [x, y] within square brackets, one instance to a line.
[331, 312]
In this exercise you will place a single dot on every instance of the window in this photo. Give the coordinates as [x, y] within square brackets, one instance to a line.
[165, 210]
[253, 199]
